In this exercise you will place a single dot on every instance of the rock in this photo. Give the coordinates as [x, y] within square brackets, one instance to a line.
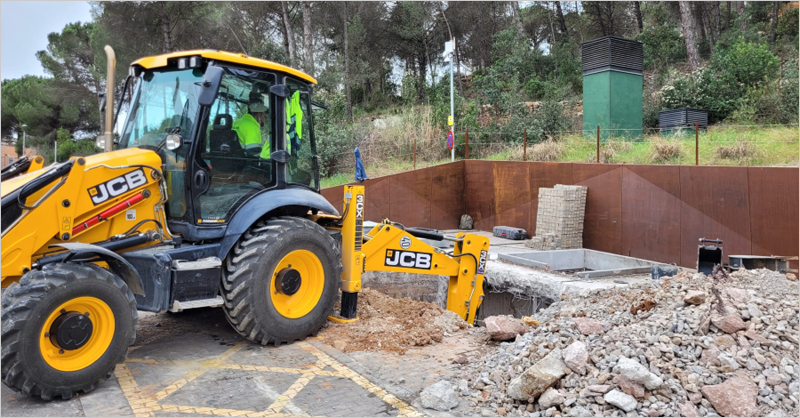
[550, 397]
[588, 326]
[466, 222]
[501, 412]
[695, 297]
[537, 378]
[638, 373]
[486, 413]
[776, 412]
[340, 345]
[729, 323]
[791, 277]
[601, 389]
[504, 328]
[621, 400]
[439, 396]
[579, 411]
[630, 387]
[753, 335]
[688, 409]
[737, 295]
[576, 356]
[734, 397]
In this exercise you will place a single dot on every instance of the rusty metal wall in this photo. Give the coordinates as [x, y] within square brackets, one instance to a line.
[655, 212]
[431, 197]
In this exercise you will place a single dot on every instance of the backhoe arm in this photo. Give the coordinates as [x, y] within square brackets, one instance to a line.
[390, 247]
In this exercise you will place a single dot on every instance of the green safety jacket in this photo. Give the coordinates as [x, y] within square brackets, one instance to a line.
[249, 132]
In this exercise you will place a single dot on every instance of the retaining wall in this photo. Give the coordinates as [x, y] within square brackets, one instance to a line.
[655, 212]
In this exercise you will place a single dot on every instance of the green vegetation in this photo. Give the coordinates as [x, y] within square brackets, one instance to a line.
[517, 69]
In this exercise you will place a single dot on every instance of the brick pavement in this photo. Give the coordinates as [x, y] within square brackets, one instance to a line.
[193, 366]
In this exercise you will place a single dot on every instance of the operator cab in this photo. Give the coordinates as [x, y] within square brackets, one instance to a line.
[227, 126]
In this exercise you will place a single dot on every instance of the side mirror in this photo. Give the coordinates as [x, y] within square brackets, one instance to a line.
[210, 85]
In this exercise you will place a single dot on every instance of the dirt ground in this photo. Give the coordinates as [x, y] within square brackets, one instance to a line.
[392, 325]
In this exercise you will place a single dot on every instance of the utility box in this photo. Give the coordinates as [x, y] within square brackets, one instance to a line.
[612, 87]
[680, 120]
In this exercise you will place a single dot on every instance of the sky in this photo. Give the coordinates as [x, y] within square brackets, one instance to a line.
[24, 26]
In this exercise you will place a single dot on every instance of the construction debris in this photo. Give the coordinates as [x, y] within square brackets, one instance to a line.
[504, 327]
[393, 325]
[731, 351]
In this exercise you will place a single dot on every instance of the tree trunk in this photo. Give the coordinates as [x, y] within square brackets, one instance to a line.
[637, 11]
[742, 18]
[610, 17]
[289, 35]
[167, 34]
[727, 16]
[422, 62]
[517, 18]
[580, 20]
[774, 29]
[689, 34]
[561, 21]
[347, 68]
[308, 46]
[717, 21]
[704, 21]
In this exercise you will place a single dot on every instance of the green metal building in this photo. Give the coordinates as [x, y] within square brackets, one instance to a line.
[612, 87]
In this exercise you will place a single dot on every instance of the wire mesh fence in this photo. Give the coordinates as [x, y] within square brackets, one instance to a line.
[723, 144]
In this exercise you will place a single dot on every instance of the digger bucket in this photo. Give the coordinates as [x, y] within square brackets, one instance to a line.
[708, 255]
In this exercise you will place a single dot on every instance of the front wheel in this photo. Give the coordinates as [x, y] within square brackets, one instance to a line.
[281, 280]
[65, 328]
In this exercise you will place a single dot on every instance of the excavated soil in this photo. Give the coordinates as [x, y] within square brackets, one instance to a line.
[393, 325]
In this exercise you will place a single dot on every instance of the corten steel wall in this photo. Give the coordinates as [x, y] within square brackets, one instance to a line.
[430, 197]
[646, 211]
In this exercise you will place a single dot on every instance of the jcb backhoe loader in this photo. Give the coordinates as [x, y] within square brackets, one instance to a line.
[211, 198]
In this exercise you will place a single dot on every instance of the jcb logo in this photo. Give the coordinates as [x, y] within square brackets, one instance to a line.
[482, 263]
[408, 259]
[117, 186]
[359, 206]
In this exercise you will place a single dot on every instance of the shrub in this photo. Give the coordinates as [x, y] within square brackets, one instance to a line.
[721, 87]
[739, 151]
[545, 151]
[664, 151]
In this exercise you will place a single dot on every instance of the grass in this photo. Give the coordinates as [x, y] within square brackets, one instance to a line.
[719, 145]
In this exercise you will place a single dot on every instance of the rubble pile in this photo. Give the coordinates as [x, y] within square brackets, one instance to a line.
[689, 345]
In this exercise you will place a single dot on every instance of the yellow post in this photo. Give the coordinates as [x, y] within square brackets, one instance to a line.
[352, 257]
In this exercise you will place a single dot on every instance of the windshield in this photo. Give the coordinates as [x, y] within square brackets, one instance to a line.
[164, 102]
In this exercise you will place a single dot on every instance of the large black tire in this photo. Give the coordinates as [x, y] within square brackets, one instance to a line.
[25, 308]
[247, 280]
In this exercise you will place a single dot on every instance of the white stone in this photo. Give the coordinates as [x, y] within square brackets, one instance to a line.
[575, 357]
[621, 400]
[439, 396]
[638, 373]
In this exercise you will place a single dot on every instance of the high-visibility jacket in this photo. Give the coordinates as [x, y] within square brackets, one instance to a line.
[294, 122]
[249, 132]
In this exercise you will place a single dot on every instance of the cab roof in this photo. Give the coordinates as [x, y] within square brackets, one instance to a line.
[157, 61]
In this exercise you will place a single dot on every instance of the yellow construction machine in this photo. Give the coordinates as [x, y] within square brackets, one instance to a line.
[211, 198]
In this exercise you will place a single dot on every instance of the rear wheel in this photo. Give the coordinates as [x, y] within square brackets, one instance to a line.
[281, 280]
[65, 328]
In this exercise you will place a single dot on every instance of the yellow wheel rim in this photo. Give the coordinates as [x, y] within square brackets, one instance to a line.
[297, 301]
[103, 325]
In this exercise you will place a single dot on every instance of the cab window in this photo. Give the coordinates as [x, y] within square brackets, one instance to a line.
[300, 168]
[237, 143]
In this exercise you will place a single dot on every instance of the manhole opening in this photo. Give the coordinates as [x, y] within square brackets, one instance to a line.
[499, 302]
